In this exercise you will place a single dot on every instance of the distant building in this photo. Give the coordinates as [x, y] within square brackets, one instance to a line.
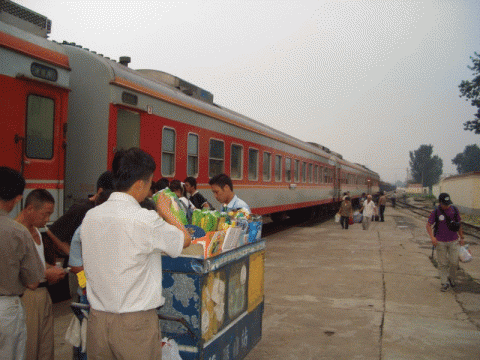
[464, 190]
[416, 189]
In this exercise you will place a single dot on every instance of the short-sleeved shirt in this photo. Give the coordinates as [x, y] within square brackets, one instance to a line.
[235, 204]
[368, 208]
[382, 200]
[20, 264]
[198, 200]
[444, 234]
[65, 226]
[75, 256]
[346, 208]
[121, 248]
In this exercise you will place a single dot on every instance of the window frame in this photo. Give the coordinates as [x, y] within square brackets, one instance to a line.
[210, 158]
[286, 169]
[27, 127]
[257, 165]
[197, 156]
[296, 170]
[241, 161]
[270, 166]
[174, 152]
[281, 168]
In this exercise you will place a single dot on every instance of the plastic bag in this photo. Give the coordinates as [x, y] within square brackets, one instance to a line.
[337, 218]
[73, 334]
[464, 254]
[170, 350]
[357, 217]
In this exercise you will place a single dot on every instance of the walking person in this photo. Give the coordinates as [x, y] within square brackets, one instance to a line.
[394, 199]
[346, 211]
[122, 247]
[382, 202]
[445, 238]
[20, 267]
[39, 206]
[368, 210]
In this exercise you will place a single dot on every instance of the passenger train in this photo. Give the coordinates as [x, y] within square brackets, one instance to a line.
[65, 110]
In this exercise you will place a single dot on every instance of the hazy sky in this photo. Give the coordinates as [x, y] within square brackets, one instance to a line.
[370, 79]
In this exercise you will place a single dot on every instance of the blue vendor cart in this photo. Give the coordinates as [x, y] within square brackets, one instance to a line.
[213, 307]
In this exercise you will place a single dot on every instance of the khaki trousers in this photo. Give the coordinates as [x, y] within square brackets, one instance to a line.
[127, 336]
[447, 256]
[39, 319]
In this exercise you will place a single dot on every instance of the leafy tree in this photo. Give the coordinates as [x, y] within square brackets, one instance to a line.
[425, 168]
[471, 90]
[469, 160]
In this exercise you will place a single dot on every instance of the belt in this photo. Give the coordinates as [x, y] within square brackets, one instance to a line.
[43, 284]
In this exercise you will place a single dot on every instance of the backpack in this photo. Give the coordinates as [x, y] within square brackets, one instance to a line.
[451, 225]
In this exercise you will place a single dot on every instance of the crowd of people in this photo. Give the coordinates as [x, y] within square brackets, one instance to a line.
[115, 237]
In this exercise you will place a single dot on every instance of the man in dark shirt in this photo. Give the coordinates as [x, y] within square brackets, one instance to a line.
[197, 199]
[62, 230]
[20, 267]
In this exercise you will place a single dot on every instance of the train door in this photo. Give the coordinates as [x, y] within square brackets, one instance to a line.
[39, 138]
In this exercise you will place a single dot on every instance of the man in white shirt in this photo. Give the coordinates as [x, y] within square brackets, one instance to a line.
[122, 246]
[369, 209]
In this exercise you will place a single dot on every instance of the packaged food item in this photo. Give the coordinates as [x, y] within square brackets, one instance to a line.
[174, 207]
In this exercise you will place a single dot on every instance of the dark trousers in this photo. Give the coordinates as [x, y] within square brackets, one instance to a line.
[393, 202]
[382, 210]
[344, 222]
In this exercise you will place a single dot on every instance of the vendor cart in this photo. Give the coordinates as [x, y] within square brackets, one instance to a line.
[213, 307]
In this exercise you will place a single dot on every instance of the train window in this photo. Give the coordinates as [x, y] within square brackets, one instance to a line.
[192, 155]
[304, 171]
[236, 162]
[288, 169]
[129, 98]
[252, 164]
[315, 175]
[216, 158]
[128, 129]
[326, 174]
[310, 173]
[267, 166]
[320, 174]
[296, 171]
[168, 152]
[278, 168]
[39, 127]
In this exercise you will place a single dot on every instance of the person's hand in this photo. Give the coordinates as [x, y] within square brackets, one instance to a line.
[434, 241]
[54, 274]
[462, 241]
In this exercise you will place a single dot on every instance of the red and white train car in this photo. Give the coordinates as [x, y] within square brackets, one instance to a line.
[111, 106]
[34, 88]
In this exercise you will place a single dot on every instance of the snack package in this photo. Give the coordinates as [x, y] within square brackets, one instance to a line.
[174, 208]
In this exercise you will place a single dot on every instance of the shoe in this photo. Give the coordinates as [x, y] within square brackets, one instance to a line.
[452, 283]
[444, 287]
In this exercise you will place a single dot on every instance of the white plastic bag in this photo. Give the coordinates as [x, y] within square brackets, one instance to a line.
[464, 254]
[170, 350]
[73, 334]
[337, 218]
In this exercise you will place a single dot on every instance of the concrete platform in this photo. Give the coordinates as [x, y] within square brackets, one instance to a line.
[355, 294]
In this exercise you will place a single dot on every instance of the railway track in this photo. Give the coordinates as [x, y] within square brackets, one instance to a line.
[425, 211]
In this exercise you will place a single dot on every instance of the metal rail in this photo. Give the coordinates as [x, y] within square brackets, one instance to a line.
[468, 229]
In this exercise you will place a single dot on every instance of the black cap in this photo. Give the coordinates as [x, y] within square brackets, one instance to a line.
[444, 199]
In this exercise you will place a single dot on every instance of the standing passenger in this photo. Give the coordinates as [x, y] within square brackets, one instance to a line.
[20, 267]
[222, 188]
[39, 206]
[346, 211]
[368, 210]
[197, 199]
[445, 238]
[121, 246]
[382, 202]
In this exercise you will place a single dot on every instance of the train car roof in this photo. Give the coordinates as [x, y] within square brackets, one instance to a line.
[131, 79]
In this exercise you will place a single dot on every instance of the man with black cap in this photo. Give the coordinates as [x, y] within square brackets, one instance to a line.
[447, 227]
